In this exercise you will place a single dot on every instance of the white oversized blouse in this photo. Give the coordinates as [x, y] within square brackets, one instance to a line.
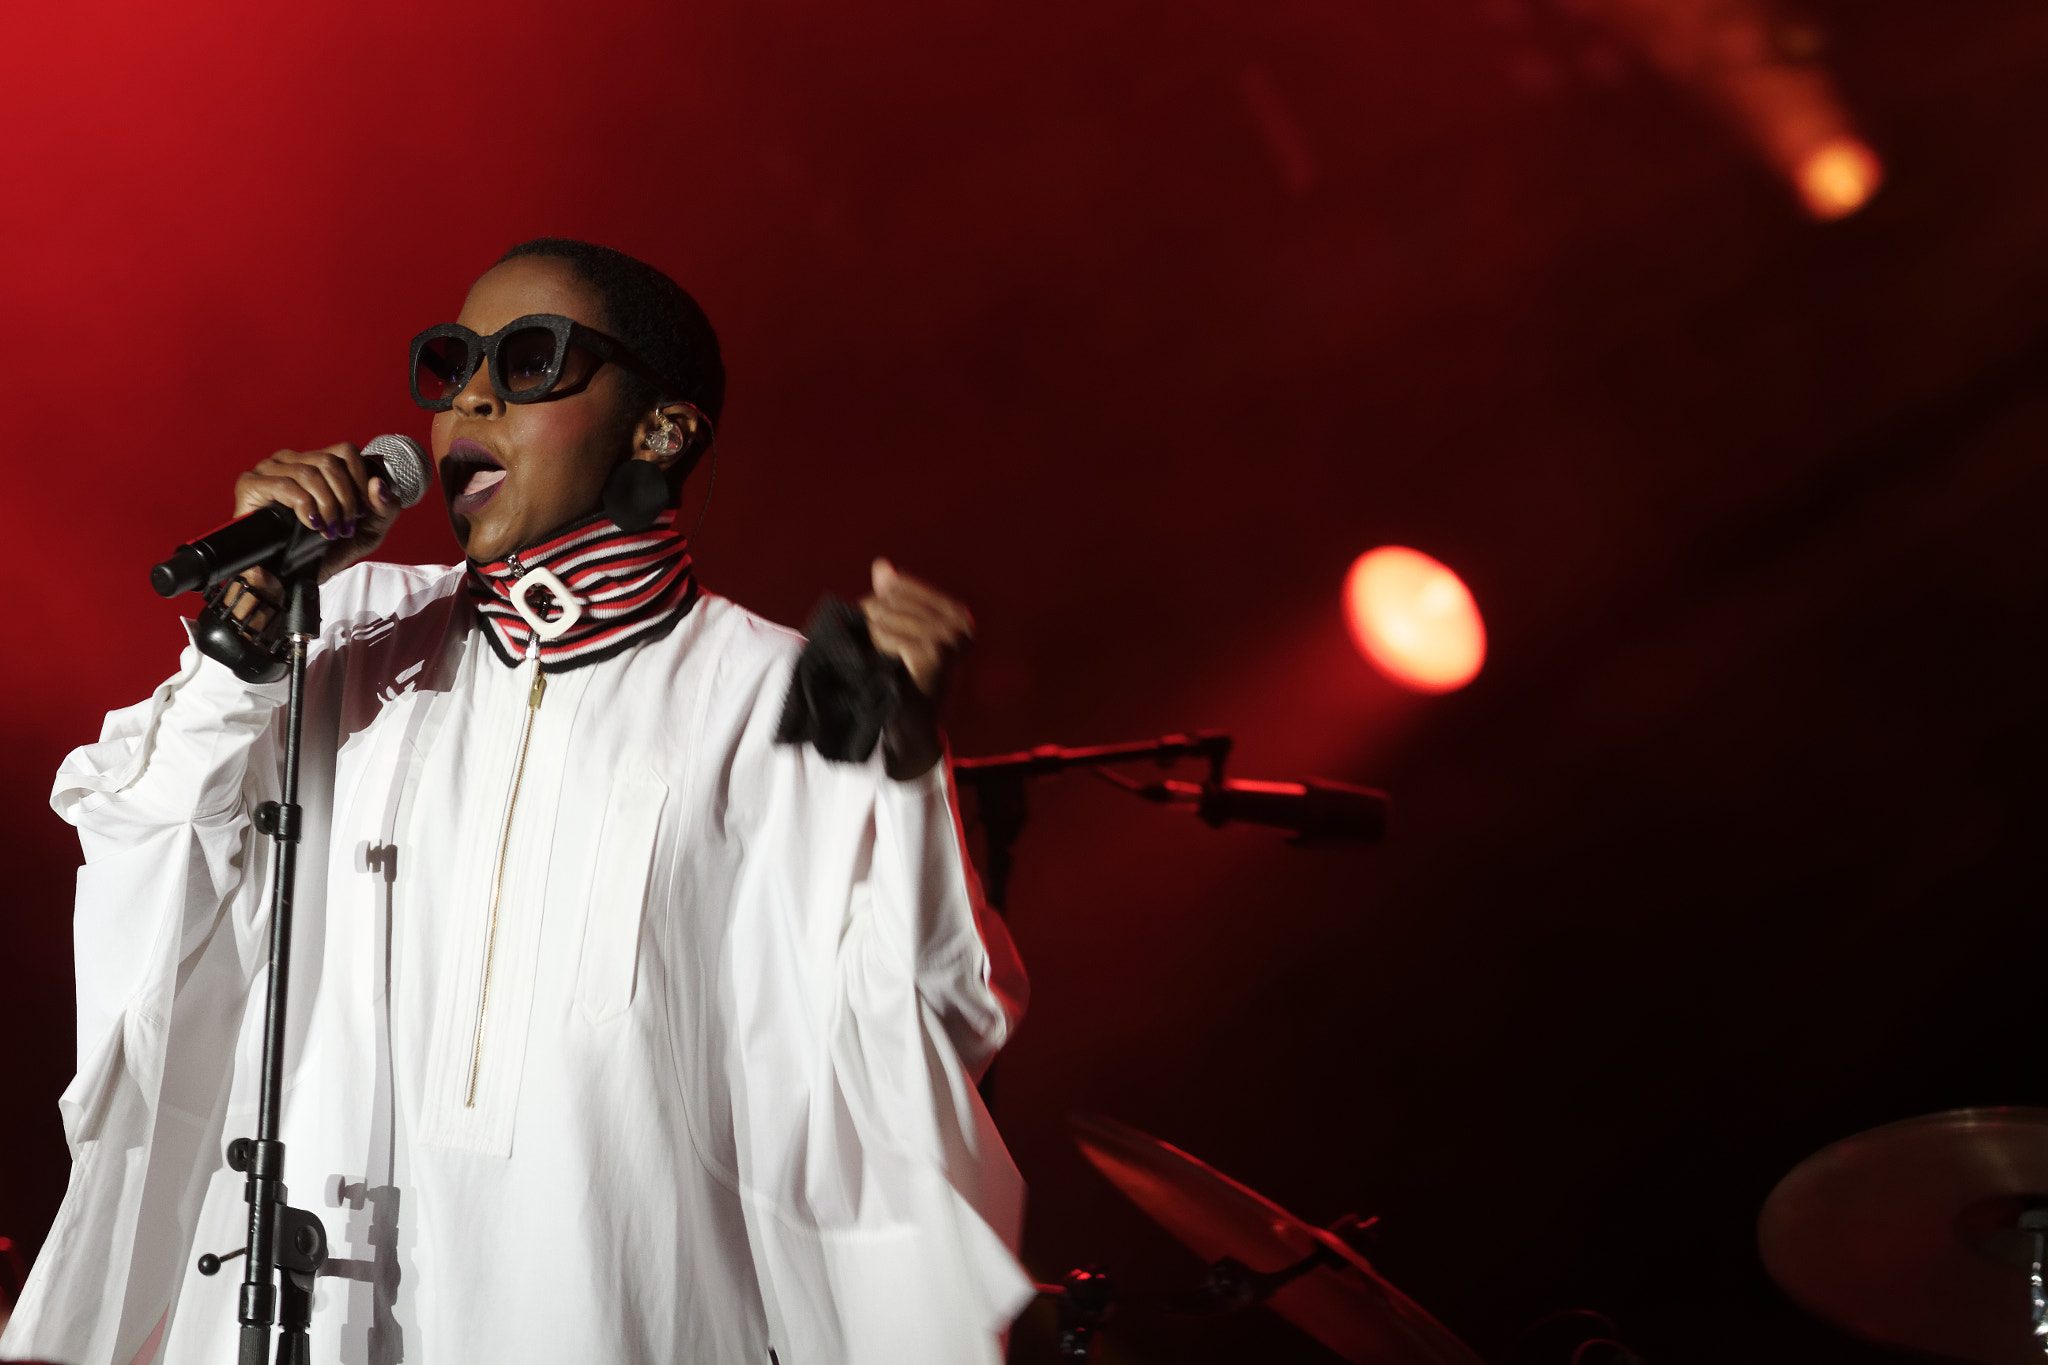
[618, 1032]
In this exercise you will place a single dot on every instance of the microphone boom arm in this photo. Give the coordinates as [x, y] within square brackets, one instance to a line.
[1319, 812]
[1049, 759]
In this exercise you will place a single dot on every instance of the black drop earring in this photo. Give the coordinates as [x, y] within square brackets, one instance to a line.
[635, 494]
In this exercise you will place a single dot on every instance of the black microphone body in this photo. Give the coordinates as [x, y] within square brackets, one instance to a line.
[272, 533]
[1316, 810]
[274, 536]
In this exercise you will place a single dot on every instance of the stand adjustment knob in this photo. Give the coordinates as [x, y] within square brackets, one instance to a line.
[209, 1264]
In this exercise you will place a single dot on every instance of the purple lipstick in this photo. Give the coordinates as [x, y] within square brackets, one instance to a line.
[471, 476]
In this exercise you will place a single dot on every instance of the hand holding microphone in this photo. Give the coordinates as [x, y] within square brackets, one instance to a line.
[331, 506]
[333, 491]
[300, 515]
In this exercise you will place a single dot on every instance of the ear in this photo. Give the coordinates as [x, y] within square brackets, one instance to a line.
[695, 429]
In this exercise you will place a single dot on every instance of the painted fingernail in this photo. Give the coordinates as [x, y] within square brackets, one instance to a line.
[348, 528]
[318, 523]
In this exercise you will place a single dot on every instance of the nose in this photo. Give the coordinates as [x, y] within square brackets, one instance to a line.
[477, 398]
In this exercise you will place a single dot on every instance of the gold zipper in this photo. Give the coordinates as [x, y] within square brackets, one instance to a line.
[483, 1002]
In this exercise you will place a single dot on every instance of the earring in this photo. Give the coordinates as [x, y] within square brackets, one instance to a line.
[667, 437]
[636, 494]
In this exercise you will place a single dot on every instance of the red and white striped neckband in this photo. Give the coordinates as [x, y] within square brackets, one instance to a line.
[587, 592]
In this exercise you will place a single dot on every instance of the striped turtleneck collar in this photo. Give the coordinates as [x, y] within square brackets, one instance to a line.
[621, 587]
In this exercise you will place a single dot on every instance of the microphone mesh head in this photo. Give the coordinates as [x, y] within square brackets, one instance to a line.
[407, 470]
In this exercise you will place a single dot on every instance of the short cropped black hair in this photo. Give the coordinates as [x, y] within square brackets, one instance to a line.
[653, 316]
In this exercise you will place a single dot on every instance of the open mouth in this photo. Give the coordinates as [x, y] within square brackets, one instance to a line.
[470, 476]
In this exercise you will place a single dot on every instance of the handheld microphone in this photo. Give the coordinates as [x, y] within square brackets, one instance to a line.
[274, 533]
[1315, 810]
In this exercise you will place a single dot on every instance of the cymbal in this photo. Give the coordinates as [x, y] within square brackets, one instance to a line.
[1904, 1235]
[1345, 1305]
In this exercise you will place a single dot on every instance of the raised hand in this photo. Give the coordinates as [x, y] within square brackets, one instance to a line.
[928, 631]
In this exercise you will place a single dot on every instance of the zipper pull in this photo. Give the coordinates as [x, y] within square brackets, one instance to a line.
[540, 679]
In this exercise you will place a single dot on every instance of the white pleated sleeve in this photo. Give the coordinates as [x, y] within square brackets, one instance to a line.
[170, 929]
[873, 987]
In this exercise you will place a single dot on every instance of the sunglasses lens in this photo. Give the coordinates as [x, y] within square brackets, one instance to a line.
[526, 360]
[444, 368]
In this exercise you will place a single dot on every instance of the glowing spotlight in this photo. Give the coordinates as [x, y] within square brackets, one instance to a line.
[1838, 177]
[1414, 619]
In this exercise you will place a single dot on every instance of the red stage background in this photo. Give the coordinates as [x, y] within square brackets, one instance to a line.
[1133, 324]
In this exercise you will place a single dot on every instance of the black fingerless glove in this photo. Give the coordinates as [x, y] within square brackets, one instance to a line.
[843, 691]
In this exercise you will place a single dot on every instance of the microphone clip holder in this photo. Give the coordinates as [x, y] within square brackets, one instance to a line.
[249, 646]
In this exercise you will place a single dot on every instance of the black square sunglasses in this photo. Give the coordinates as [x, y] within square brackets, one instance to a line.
[528, 359]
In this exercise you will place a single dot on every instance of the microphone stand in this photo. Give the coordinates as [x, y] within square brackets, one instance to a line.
[286, 1243]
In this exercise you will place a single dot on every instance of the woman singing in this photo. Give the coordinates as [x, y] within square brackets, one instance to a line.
[620, 1032]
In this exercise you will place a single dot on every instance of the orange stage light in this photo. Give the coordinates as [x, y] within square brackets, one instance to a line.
[1838, 178]
[1414, 619]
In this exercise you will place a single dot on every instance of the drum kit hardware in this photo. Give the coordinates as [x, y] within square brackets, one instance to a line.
[1316, 1277]
[1926, 1235]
